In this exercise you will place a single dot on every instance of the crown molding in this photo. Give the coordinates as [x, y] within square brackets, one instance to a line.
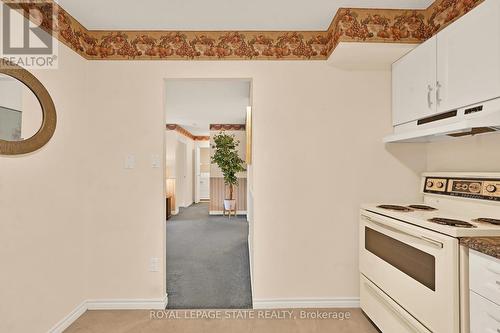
[186, 133]
[348, 25]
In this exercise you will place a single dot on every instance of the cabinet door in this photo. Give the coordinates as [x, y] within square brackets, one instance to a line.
[484, 315]
[413, 84]
[468, 53]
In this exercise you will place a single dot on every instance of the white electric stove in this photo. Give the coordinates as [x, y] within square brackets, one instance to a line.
[413, 271]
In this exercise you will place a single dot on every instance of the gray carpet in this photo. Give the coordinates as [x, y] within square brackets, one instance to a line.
[207, 261]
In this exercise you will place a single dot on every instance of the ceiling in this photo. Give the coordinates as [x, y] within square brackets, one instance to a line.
[368, 56]
[218, 14]
[195, 104]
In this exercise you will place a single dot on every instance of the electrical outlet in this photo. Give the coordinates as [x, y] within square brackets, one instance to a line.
[154, 264]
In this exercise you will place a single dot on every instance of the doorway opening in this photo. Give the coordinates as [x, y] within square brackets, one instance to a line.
[208, 254]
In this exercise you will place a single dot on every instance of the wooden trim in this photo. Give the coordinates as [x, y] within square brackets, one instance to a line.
[49, 117]
[348, 25]
[219, 191]
[186, 133]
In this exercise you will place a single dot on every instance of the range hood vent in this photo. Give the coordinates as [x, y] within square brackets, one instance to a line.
[474, 131]
[438, 117]
[471, 120]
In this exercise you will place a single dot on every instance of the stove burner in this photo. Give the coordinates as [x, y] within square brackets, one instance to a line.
[451, 222]
[422, 207]
[396, 208]
[488, 220]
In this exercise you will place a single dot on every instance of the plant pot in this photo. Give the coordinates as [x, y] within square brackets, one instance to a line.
[230, 205]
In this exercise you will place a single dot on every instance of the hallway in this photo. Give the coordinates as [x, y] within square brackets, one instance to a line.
[207, 261]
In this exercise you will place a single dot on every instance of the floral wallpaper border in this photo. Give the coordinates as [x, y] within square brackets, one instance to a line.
[186, 133]
[348, 25]
[227, 127]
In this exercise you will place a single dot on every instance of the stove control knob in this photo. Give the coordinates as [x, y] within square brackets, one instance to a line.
[439, 184]
[475, 187]
[491, 188]
[430, 183]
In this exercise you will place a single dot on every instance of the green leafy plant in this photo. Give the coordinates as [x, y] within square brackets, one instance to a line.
[227, 158]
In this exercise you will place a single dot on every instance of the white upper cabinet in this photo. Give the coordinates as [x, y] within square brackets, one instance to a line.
[413, 84]
[458, 67]
[468, 58]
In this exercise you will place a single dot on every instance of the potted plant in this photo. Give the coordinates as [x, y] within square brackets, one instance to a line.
[227, 158]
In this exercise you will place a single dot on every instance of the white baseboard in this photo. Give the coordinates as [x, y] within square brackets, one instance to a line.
[127, 304]
[110, 304]
[188, 205]
[69, 319]
[341, 302]
[219, 212]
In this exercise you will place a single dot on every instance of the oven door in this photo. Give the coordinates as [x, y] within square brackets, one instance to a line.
[415, 267]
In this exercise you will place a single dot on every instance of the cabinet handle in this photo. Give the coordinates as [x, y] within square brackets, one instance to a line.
[438, 94]
[429, 91]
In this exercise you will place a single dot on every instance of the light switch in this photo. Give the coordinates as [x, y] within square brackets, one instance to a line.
[154, 264]
[155, 161]
[130, 161]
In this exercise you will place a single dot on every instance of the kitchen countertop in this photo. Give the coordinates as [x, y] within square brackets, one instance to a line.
[486, 245]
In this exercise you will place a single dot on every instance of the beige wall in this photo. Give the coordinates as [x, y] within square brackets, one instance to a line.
[318, 155]
[44, 212]
[479, 154]
[126, 222]
[76, 225]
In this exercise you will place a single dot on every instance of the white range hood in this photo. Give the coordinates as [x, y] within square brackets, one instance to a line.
[471, 120]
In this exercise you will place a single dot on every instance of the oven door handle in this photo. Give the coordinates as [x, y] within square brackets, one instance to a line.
[410, 321]
[428, 240]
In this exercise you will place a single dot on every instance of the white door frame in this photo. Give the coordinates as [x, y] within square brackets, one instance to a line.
[197, 171]
[203, 144]
[181, 173]
[197, 174]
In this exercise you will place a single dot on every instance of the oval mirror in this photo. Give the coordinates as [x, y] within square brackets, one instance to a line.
[27, 113]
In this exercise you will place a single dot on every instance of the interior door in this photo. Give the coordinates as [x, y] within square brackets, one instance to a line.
[413, 84]
[205, 186]
[468, 50]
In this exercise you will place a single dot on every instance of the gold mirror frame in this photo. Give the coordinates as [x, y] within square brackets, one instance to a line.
[49, 118]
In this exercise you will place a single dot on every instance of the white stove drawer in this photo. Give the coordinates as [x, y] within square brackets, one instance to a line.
[384, 312]
[484, 275]
[484, 315]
